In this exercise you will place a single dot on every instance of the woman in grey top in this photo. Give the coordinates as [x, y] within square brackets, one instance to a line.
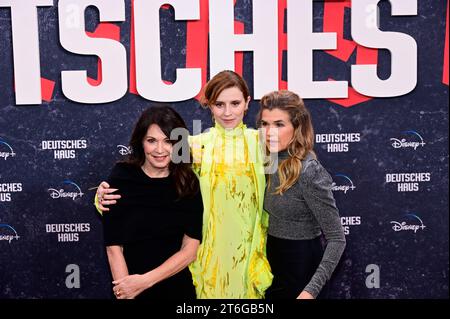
[299, 201]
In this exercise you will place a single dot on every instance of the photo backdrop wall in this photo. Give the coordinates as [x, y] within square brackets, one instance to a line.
[76, 74]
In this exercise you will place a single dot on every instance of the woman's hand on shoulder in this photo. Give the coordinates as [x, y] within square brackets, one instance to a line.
[106, 197]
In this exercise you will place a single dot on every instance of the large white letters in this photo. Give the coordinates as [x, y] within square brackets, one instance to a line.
[148, 52]
[403, 49]
[301, 43]
[263, 42]
[27, 67]
[73, 38]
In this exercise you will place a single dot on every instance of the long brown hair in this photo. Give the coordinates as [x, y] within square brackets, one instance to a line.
[302, 142]
[221, 81]
[186, 182]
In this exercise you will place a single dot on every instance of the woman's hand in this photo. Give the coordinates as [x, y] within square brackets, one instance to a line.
[105, 196]
[305, 295]
[130, 286]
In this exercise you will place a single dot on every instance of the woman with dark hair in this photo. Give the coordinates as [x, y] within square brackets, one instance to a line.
[299, 201]
[153, 232]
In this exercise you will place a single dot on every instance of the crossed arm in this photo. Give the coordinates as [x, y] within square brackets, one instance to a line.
[129, 286]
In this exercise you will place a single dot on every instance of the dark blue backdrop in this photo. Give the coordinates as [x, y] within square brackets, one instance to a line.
[38, 260]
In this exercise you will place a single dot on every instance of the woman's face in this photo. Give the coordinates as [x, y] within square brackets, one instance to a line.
[230, 107]
[278, 129]
[157, 149]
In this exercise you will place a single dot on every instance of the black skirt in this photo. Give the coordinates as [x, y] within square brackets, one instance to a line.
[145, 255]
[293, 264]
[179, 287]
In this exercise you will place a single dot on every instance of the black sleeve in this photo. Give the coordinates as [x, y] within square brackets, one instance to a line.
[194, 217]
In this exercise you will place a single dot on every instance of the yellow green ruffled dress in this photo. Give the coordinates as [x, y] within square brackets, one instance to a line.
[231, 260]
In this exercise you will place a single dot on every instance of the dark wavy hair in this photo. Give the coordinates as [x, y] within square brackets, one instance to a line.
[167, 119]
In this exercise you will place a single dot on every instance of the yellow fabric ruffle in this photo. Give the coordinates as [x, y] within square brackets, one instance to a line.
[231, 260]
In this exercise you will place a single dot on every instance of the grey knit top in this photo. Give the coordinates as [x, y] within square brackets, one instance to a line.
[306, 210]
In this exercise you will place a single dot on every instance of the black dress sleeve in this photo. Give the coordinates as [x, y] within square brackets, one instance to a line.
[194, 217]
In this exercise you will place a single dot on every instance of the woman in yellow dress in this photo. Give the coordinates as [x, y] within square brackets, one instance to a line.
[231, 260]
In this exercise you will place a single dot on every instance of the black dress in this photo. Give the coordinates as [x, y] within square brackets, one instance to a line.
[149, 221]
